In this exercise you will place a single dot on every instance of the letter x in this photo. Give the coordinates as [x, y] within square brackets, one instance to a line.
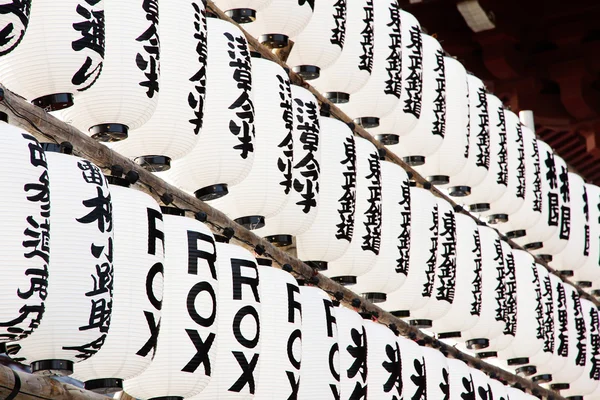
[202, 349]
[295, 384]
[151, 343]
[247, 372]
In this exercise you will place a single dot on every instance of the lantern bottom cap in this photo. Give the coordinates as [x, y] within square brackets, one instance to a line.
[318, 265]
[3, 116]
[498, 218]
[109, 132]
[52, 367]
[172, 211]
[477, 344]
[421, 323]
[344, 280]
[251, 222]
[117, 181]
[596, 292]
[307, 72]
[438, 179]
[459, 191]
[212, 192]
[54, 102]
[565, 274]
[375, 297]
[242, 15]
[518, 361]
[534, 246]
[527, 370]
[583, 284]
[487, 354]
[560, 386]
[104, 386]
[388, 139]
[548, 258]
[479, 207]
[449, 335]
[167, 398]
[337, 97]
[400, 313]
[2, 348]
[274, 40]
[154, 163]
[574, 398]
[516, 234]
[414, 161]
[367, 122]
[544, 378]
[280, 240]
[267, 262]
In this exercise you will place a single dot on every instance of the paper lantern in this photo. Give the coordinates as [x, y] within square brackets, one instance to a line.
[381, 93]
[590, 270]
[576, 226]
[321, 41]
[481, 385]
[352, 342]
[61, 54]
[408, 110]
[414, 375]
[428, 134]
[224, 152]
[530, 211]
[24, 248]
[281, 20]
[387, 274]
[125, 95]
[444, 279]
[333, 228]
[384, 378]
[77, 316]
[238, 340]
[461, 383]
[174, 128]
[302, 205]
[137, 291]
[183, 341]
[265, 190]
[364, 248]
[320, 370]
[278, 376]
[420, 270]
[465, 309]
[498, 390]
[478, 160]
[436, 366]
[516, 394]
[242, 11]
[352, 69]
[451, 157]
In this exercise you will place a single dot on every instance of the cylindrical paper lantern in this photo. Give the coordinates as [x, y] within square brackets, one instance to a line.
[281, 20]
[302, 205]
[590, 270]
[320, 370]
[25, 247]
[174, 128]
[265, 190]
[238, 341]
[224, 152]
[451, 157]
[461, 383]
[388, 273]
[478, 161]
[364, 248]
[242, 11]
[353, 67]
[279, 362]
[125, 95]
[381, 93]
[352, 341]
[182, 343]
[428, 134]
[466, 307]
[321, 41]
[137, 291]
[79, 307]
[331, 233]
[384, 363]
[481, 385]
[14, 18]
[420, 270]
[61, 54]
[438, 378]
[414, 376]
[498, 390]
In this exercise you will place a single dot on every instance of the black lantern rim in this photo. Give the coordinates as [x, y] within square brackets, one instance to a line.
[477, 344]
[527, 370]
[401, 313]
[337, 97]
[109, 132]
[54, 102]
[498, 219]
[388, 139]
[421, 323]
[212, 192]
[414, 161]
[318, 265]
[449, 335]
[518, 361]
[367, 122]
[274, 40]
[242, 15]
[516, 234]
[345, 280]
[438, 179]
[104, 386]
[154, 163]
[52, 367]
[479, 207]
[307, 72]
[375, 297]
[251, 222]
[459, 191]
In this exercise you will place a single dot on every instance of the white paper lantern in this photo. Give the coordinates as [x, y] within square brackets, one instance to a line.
[576, 222]
[137, 291]
[321, 41]
[224, 152]
[265, 190]
[352, 69]
[481, 385]
[408, 110]
[352, 341]
[461, 382]
[530, 211]
[451, 157]
[384, 378]
[466, 307]
[24, 248]
[498, 390]
[420, 270]
[183, 341]
[438, 378]
[478, 162]
[77, 316]
[281, 20]
[387, 274]
[428, 134]
[364, 248]
[381, 93]
[61, 54]
[174, 128]
[125, 95]
[242, 11]
[320, 370]
[516, 394]
[14, 18]
[279, 362]
[414, 375]
[302, 205]
[590, 270]
[329, 236]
